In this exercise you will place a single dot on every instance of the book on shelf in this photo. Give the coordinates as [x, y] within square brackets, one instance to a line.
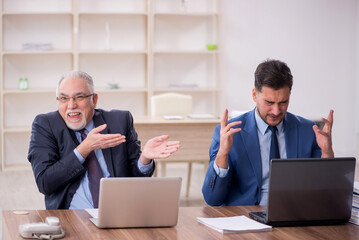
[37, 47]
[236, 224]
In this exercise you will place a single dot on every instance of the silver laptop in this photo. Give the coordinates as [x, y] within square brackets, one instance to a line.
[313, 191]
[138, 202]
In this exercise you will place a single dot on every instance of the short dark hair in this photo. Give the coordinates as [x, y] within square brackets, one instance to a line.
[274, 74]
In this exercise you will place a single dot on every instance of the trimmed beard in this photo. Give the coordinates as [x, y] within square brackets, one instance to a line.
[79, 126]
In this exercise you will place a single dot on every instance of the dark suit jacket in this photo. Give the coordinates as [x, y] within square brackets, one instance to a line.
[58, 171]
[242, 185]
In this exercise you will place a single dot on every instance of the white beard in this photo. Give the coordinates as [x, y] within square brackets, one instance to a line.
[78, 125]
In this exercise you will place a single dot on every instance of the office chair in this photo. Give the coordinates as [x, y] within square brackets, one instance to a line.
[172, 104]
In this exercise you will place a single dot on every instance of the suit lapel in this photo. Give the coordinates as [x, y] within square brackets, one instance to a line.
[98, 120]
[291, 136]
[73, 136]
[251, 143]
[59, 122]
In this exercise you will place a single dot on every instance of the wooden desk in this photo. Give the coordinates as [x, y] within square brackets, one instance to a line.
[77, 226]
[195, 136]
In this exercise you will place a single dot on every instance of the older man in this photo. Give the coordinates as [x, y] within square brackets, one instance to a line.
[72, 148]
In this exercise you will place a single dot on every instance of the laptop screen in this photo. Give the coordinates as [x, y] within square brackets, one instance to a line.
[138, 202]
[310, 189]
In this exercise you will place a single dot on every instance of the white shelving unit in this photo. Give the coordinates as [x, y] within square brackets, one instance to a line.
[146, 47]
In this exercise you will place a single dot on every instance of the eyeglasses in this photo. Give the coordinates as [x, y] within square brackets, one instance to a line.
[78, 98]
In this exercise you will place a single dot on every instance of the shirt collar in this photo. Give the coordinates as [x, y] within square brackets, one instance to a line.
[90, 126]
[262, 125]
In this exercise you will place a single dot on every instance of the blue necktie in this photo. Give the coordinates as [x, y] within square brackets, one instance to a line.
[94, 173]
[274, 149]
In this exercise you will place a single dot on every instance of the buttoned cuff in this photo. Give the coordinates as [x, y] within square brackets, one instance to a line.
[145, 168]
[221, 172]
[79, 156]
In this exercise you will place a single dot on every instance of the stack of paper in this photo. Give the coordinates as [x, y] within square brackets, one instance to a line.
[173, 117]
[237, 224]
[355, 208]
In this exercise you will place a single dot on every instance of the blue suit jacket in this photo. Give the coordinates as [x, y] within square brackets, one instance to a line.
[242, 185]
[58, 171]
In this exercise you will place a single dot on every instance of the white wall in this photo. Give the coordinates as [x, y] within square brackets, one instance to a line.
[316, 38]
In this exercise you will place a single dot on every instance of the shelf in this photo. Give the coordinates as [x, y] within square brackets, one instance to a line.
[28, 91]
[22, 52]
[115, 68]
[193, 90]
[42, 70]
[104, 6]
[16, 167]
[132, 101]
[113, 32]
[21, 109]
[52, 90]
[36, 13]
[187, 33]
[186, 7]
[121, 90]
[37, 29]
[81, 14]
[17, 130]
[16, 145]
[37, 6]
[186, 14]
[187, 52]
[185, 70]
[145, 47]
[108, 51]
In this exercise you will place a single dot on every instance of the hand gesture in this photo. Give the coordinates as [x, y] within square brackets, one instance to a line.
[96, 140]
[226, 139]
[158, 147]
[324, 136]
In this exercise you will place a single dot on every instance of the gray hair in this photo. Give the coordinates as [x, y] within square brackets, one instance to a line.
[77, 74]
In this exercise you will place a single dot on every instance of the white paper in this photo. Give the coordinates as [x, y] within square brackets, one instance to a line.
[355, 216]
[234, 224]
[93, 212]
[356, 187]
[172, 117]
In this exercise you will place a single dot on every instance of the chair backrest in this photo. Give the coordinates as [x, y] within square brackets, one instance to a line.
[171, 104]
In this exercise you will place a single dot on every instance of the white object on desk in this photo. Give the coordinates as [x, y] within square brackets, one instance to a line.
[356, 187]
[237, 224]
[93, 212]
[172, 117]
[49, 230]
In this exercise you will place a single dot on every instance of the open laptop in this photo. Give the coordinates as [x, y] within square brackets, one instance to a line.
[313, 191]
[138, 202]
